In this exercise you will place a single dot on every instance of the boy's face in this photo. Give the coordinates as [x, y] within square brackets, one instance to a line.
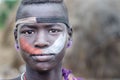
[42, 45]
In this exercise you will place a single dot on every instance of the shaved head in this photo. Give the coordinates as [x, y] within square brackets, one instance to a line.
[42, 10]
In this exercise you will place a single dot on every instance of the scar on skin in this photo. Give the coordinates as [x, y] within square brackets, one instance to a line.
[28, 48]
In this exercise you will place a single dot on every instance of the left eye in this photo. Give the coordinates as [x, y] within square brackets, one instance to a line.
[54, 31]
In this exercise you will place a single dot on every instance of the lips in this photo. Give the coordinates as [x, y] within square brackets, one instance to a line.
[43, 57]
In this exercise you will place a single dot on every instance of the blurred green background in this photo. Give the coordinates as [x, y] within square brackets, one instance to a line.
[6, 7]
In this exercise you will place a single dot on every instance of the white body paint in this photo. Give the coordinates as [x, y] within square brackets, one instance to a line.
[57, 46]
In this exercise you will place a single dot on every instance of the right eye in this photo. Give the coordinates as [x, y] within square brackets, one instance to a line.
[28, 32]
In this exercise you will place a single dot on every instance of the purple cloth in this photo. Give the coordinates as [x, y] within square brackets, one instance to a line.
[66, 73]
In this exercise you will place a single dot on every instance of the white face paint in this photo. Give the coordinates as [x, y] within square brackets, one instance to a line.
[57, 46]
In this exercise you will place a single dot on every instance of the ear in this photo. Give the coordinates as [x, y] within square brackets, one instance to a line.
[69, 43]
[16, 41]
[70, 32]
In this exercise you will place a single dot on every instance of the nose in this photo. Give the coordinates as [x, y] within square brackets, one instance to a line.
[41, 40]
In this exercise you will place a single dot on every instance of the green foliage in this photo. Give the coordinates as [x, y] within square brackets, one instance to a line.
[4, 12]
[10, 3]
[3, 16]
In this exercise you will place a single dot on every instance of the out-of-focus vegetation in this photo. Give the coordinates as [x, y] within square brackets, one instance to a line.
[6, 6]
[9, 58]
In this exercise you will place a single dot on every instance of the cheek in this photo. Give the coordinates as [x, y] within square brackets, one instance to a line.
[28, 48]
[52, 39]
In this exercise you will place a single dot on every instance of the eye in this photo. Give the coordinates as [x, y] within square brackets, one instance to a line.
[28, 32]
[54, 31]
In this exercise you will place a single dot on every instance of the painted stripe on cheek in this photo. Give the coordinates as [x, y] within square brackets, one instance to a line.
[28, 48]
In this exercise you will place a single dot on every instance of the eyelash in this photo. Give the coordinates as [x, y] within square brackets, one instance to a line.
[31, 32]
[28, 32]
[54, 30]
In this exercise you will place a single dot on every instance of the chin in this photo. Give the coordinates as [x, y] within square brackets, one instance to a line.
[44, 66]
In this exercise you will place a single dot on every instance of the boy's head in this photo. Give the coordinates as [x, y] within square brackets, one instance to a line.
[42, 32]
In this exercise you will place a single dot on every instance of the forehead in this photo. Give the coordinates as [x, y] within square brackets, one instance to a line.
[42, 11]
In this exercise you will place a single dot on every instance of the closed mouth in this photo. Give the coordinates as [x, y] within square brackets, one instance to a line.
[42, 54]
[42, 57]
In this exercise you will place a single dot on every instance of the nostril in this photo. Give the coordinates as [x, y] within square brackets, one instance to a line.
[41, 43]
[41, 46]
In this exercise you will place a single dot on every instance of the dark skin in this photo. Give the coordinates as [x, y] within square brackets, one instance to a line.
[46, 69]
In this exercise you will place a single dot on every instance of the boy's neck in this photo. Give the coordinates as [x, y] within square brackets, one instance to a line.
[54, 74]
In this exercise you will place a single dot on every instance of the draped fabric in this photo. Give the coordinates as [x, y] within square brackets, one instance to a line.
[67, 74]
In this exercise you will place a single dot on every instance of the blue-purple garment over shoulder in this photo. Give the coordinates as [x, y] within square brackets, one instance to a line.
[67, 74]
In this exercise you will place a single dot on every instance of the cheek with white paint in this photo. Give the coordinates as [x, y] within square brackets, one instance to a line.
[56, 48]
